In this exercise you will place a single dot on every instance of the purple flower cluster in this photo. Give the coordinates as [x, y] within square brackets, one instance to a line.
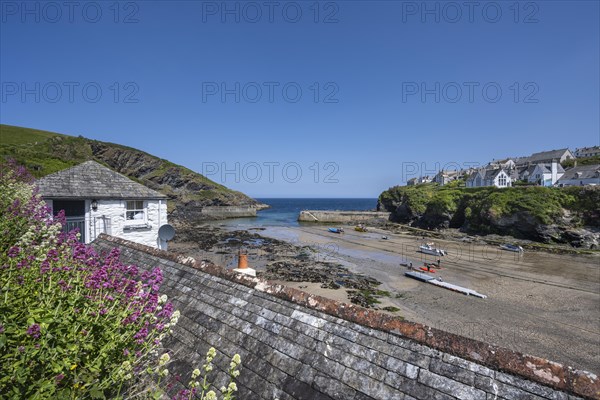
[34, 331]
[69, 268]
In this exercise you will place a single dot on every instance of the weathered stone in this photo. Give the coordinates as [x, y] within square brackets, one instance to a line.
[452, 371]
[295, 345]
[498, 388]
[450, 386]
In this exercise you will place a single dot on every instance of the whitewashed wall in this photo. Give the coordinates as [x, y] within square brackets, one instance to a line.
[156, 216]
[114, 211]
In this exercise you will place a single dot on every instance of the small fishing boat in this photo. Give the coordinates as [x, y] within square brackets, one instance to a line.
[336, 230]
[511, 247]
[360, 228]
[429, 249]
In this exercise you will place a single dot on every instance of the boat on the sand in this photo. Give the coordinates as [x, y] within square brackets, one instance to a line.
[336, 230]
[511, 247]
[429, 249]
[360, 228]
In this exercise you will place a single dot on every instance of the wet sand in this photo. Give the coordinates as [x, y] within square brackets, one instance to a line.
[539, 303]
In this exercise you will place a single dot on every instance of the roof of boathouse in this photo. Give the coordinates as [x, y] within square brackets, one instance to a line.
[91, 180]
[295, 345]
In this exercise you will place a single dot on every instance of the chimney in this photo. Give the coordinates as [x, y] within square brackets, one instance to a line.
[242, 259]
[554, 177]
[243, 264]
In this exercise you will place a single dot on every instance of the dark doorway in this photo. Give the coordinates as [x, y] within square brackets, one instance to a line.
[75, 214]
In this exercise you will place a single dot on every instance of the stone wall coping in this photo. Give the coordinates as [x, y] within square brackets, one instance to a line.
[536, 369]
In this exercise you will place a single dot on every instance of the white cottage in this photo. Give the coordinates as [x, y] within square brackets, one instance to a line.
[546, 174]
[489, 177]
[99, 200]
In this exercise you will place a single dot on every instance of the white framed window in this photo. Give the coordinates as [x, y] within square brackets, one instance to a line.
[502, 180]
[135, 212]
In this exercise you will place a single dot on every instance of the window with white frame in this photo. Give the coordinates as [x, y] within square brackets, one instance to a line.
[502, 180]
[135, 212]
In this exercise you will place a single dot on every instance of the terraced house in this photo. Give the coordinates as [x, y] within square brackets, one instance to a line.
[99, 200]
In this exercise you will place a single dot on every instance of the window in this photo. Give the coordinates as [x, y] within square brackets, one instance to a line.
[135, 211]
[502, 180]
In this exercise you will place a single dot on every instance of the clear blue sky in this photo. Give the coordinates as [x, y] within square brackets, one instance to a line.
[376, 65]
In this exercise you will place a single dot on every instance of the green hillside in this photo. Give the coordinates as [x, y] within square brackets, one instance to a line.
[45, 152]
[562, 215]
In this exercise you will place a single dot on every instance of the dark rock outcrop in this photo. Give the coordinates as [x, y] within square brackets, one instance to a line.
[547, 215]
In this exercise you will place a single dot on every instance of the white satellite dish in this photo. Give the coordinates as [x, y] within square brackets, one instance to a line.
[165, 233]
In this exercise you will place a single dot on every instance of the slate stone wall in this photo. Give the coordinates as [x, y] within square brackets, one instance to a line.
[295, 346]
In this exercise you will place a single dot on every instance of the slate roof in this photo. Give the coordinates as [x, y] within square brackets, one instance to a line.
[487, 174]
[547, 168]
[586, 171]
[294, 345]
[542, 156]
[91, 180]
[491, 174]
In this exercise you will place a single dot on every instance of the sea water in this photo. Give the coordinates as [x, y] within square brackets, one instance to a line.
[284, 212]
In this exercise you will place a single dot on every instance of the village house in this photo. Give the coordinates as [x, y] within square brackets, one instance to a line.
[419, 180]
[497, 177]
[582, 175]
[587, 152]
[506, 164]
[544, 174]
[444, 177]
[99, 200]
[545, 157]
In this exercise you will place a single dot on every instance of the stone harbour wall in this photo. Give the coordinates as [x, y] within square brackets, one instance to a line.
[295, 345]
[343, 217]
[222, 212]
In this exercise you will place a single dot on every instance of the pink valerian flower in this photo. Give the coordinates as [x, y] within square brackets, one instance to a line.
[45, 267]
[167, 311]
[14, 251]
[59, 378]
[34, 331]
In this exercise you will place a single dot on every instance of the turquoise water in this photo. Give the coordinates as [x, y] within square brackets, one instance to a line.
[284, 212]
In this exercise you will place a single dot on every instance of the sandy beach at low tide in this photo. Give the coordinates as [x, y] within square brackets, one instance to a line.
[543, 304]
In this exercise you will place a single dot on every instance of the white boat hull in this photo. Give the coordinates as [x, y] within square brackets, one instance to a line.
[514, 250]
[433, 252]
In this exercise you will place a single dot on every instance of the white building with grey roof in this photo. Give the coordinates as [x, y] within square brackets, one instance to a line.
[560, 155]
[99, 200]
[583, 175]
[497, 177]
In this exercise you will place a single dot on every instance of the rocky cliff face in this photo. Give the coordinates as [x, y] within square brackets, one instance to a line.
[547, 215]
[189, 192]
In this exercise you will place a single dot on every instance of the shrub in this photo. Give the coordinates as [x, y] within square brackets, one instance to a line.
[73, 323]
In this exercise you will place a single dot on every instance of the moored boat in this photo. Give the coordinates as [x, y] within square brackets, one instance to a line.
[429, 249]
[360, 228]
[511, 247]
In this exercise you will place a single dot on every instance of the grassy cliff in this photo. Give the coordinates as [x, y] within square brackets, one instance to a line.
[46, 152]
[537, 213]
